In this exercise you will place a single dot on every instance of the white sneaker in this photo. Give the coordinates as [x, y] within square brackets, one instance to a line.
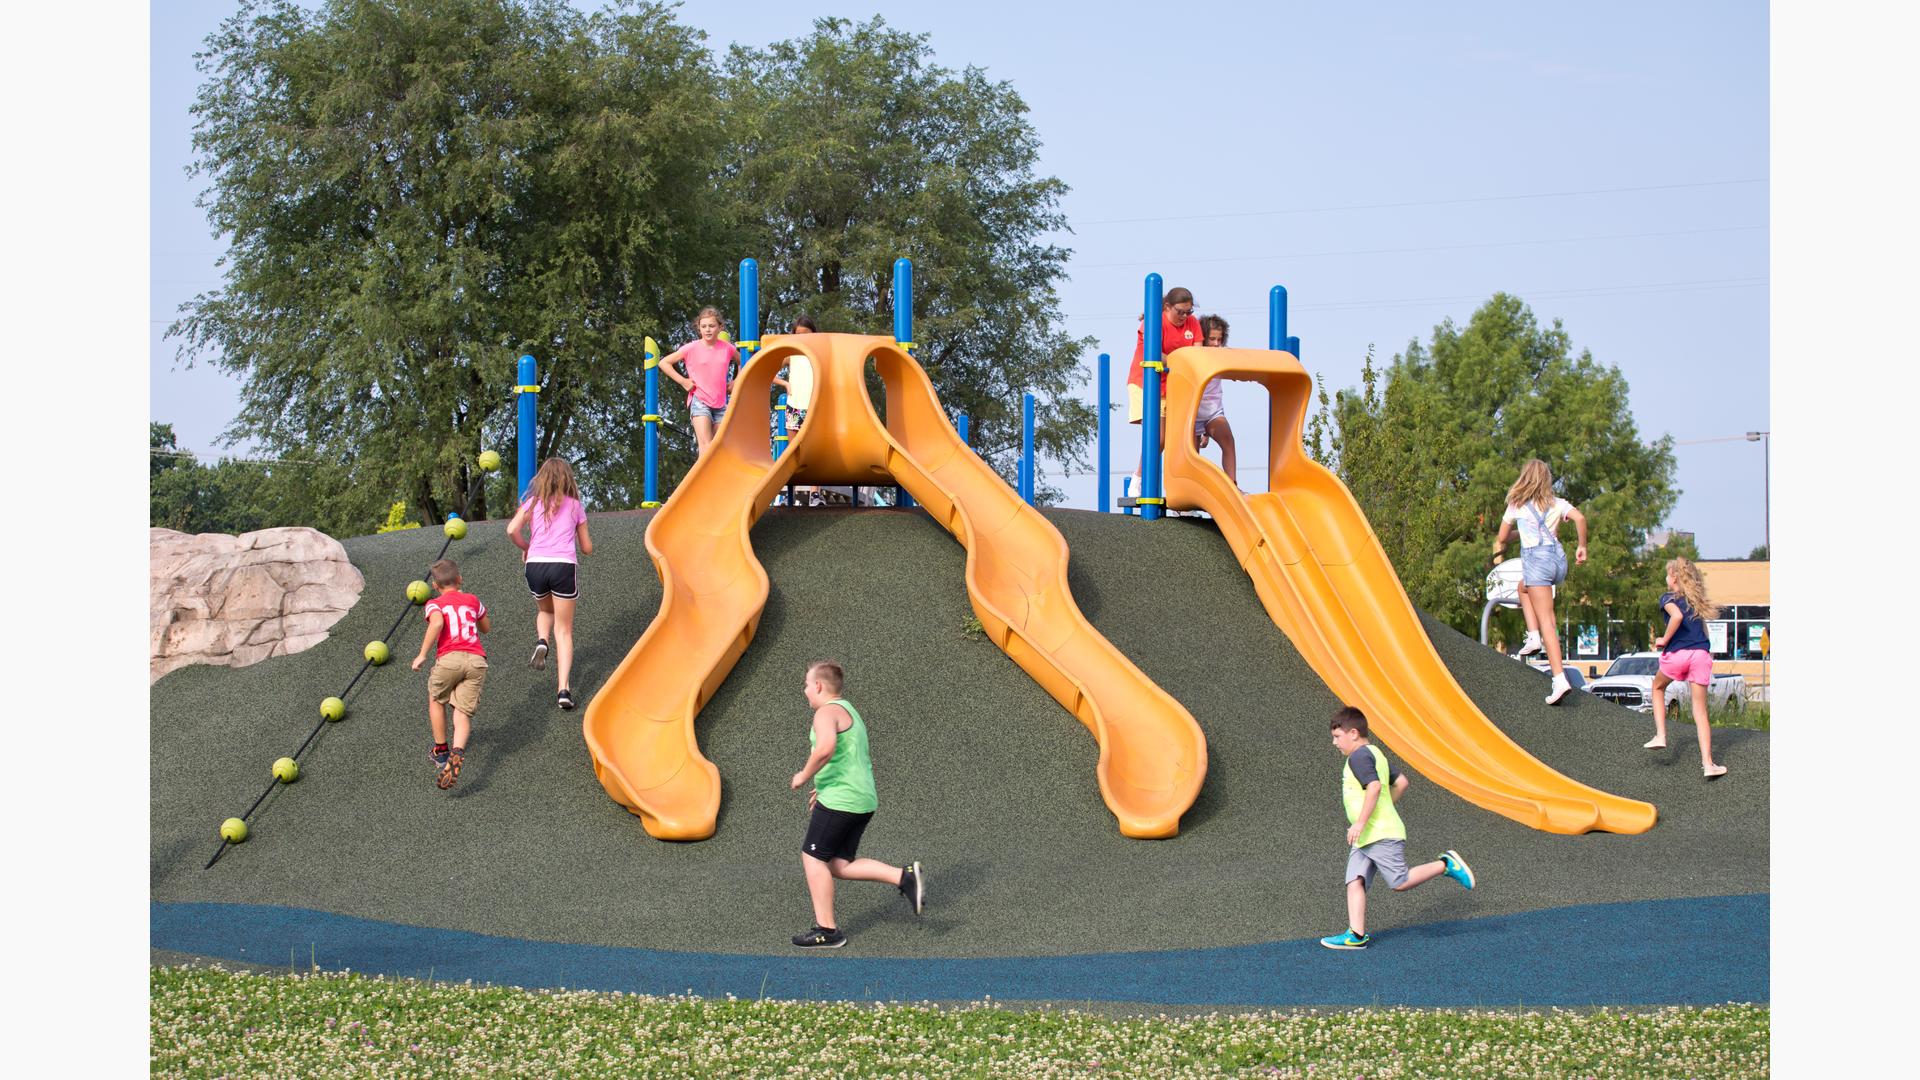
[1531, 644]
[1561, 688]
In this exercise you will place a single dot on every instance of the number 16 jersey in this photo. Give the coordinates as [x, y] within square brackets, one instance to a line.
[460, 626]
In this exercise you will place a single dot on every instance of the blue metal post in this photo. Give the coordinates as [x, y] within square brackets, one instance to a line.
[1026, 450]
[1277, 318]
[749, 340]
[1106, 395]
[962, 425]
[1293, 346]
[1150, 422]
[903, 333]
[526, 391]
[651, 497]
[779, 426]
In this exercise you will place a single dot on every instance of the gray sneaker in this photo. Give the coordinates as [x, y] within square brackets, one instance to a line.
[913, 886]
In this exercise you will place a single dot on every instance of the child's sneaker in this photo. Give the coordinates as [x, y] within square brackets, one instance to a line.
[1561, 688]
[913, 886]
[438, 756]
[1531, 644]
[820, 938]
[450, 769]
[1348, 940]
[539, 655]
[1457, 868]
[565, 699]
[1713, 772]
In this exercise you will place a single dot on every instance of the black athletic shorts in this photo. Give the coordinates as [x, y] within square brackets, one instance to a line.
[834, 834]
[552, 579]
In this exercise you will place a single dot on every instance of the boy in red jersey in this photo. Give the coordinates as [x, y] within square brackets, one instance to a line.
[455, 620]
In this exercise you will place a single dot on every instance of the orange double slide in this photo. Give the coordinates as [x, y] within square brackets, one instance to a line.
[639, 727]
[1324, 579]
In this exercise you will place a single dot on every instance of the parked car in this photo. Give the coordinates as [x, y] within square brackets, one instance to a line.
[1629, 682]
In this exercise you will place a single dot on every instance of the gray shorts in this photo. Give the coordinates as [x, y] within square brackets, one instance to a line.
[1543, 565]
[1388, 856]
[701, 408]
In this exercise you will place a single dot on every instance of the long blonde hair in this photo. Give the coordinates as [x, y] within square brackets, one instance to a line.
[551, 484]
[1534, 486]
[1692, 587]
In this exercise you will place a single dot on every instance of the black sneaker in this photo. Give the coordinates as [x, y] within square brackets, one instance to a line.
[539, 655]
[565, 699]
[820, 938]
[913, 886]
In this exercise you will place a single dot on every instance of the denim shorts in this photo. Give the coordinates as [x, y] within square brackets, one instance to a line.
[701, 408]
[1543, 565]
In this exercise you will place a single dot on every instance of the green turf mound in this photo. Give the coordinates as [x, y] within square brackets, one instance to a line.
[981, 775]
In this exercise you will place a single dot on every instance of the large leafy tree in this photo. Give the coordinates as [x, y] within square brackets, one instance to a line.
[1430, 456]
[235, 496]
[418, 191]
[851, 148]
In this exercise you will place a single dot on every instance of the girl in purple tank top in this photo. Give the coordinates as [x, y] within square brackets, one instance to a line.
[558, 537]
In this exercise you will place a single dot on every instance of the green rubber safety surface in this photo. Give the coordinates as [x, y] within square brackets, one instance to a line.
[982, 777]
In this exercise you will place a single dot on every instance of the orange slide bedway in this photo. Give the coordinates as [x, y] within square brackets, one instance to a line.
[1323, 577]
[639, 727]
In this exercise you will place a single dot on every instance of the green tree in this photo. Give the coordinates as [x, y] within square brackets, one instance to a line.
[1430, 458]
[851, 148]
[418, 191]
[235, 495]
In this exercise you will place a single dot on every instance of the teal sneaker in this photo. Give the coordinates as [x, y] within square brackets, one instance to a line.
[1457, 868]
[1348, 940]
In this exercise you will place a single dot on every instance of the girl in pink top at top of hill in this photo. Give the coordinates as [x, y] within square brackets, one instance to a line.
[708, 361]
[558, 525]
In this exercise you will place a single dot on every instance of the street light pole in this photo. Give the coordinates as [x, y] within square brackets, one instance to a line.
[1765, 439]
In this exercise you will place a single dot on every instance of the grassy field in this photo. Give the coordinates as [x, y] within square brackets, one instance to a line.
[210, 1022]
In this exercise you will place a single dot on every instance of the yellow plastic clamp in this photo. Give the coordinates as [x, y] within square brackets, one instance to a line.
[651, 361]
[1149, 502]
[1157, 365]
[526, 389]
[907, 345]
[649, 506]
[746, 344]
[650, 418]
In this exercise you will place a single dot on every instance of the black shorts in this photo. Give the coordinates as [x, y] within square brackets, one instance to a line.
[552, 579]
[834, 834]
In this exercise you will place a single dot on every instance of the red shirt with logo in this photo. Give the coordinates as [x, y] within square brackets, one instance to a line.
[1171, 337]
[460, 615]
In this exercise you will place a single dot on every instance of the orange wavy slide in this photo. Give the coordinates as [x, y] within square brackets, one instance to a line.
[1325, 580]
[639, 727]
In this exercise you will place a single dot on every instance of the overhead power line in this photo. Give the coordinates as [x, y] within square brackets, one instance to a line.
[1529, 294]
[1412, 250]
[1420, 202]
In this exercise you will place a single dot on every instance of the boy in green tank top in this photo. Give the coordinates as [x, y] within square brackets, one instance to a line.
[842, 802]
[1371, 787]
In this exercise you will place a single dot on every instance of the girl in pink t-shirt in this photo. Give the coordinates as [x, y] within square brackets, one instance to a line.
[708, 361]
[559, 537]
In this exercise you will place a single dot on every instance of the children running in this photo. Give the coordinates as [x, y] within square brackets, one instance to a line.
[842, 801]
[455, 620]
[1370, 787]
[559, 537]
[707, 381]
[1211, 421]
[1686, 656]
[1532, 505]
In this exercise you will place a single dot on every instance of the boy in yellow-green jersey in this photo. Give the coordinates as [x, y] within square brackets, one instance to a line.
[1371, 787]
[843, 801]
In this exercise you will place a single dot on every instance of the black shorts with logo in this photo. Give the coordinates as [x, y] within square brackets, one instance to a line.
[552, 579]
[834, 834]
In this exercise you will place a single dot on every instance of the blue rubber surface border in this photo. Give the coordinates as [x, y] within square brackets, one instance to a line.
[1700, 951]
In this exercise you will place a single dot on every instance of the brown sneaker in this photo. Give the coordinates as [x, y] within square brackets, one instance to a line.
[451, 770]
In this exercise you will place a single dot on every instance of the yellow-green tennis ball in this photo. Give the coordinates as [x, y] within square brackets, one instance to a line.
[489, 460]
[418, 591]
[233, 830]
[286, 770]
[376, 651]
[333, 709]
[456, 528]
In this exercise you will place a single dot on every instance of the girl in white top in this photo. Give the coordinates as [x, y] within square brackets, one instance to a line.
[1538, 512]
[1211, 421]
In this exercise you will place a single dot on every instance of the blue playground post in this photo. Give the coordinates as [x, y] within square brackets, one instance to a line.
[528, 387]
[779, 426]
[1277, 318]
[1026, 450]
[749, 310]
[961, 423]
[1293, 346]
[1106, 395]
[903, 333]
[651, 497]
[1150, 498]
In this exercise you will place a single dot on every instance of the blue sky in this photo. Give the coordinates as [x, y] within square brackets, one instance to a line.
[1391, 166]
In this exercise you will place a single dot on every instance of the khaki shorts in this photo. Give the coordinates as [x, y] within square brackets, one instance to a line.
[457, 678]
[1137, 404]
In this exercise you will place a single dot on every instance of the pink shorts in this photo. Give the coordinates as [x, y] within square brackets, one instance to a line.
[1688, 665]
